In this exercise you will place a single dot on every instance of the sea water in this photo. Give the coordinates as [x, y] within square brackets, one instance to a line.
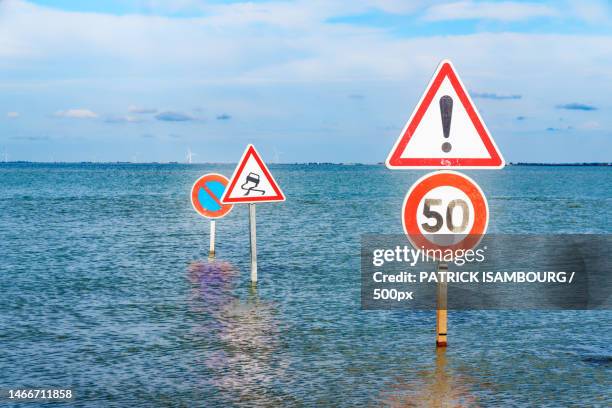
[105, 288]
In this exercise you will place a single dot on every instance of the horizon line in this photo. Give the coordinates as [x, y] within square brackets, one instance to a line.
[119, 162]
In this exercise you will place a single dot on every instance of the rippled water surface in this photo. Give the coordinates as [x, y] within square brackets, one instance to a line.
[105, 288]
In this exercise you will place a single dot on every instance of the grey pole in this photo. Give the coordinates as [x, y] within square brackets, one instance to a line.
[253, 236]
[211, 251]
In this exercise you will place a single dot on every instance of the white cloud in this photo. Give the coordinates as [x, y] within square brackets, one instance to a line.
[229, 44]
[12, 115]
[500, 11]
[259, 50]
[76, 114]
[592, 12]
[282, 12]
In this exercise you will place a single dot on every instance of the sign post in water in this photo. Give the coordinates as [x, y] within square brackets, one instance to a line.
[206, 196]
[445, 209]
[252, 183]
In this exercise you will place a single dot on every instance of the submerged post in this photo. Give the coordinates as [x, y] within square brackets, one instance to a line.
[442, 312]
[211, 251]
[253, 239]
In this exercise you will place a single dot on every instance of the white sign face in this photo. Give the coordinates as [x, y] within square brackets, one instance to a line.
[445, 209]
[445, 130]
[252, 182]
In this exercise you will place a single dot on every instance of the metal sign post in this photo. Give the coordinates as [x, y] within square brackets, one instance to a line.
[206, 200]
[442, 310]
[253, 240]
[441, 205]
[252, 183]
[445, 131]
[211, 250]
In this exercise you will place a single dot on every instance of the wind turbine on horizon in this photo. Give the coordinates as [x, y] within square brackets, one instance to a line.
[190, 155]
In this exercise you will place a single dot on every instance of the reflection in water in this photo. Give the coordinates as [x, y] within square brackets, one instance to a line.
[440, 388]
[213, 284]
[242, 338]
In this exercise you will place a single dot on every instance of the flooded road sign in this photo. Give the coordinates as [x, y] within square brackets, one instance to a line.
[445, 130]
[445, 210]
[206, 196]
[252, 182]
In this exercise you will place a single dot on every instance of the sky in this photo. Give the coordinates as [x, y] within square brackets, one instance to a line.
[305, 81]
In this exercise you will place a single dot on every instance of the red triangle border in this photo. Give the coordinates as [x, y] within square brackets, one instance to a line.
[250, 151]
[396, 161]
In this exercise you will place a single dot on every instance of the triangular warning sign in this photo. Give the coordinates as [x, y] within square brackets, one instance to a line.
[445, 130]
[252, 182]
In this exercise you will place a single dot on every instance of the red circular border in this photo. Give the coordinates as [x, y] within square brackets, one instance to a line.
[225, 208]
[439, 179]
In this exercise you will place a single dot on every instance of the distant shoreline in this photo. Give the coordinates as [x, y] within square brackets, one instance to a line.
[560, 164]
[594, 164]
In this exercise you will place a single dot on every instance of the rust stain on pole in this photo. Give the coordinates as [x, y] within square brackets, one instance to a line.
[442, 312]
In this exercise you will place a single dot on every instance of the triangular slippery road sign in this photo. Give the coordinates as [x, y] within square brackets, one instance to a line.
[445, 130]
[252, 182]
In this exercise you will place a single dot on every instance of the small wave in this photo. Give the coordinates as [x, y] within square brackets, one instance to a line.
[598, 360]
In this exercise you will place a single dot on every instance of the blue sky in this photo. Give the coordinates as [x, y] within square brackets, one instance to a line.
[312, 80]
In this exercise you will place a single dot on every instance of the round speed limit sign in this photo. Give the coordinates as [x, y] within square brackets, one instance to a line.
[445, 210]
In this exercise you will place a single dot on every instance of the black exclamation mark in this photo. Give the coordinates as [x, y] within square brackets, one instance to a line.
[446, 110]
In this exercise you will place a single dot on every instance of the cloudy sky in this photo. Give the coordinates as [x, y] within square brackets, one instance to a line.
[311, 80]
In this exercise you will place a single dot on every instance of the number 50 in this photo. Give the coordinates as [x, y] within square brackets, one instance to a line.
[439, 220]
